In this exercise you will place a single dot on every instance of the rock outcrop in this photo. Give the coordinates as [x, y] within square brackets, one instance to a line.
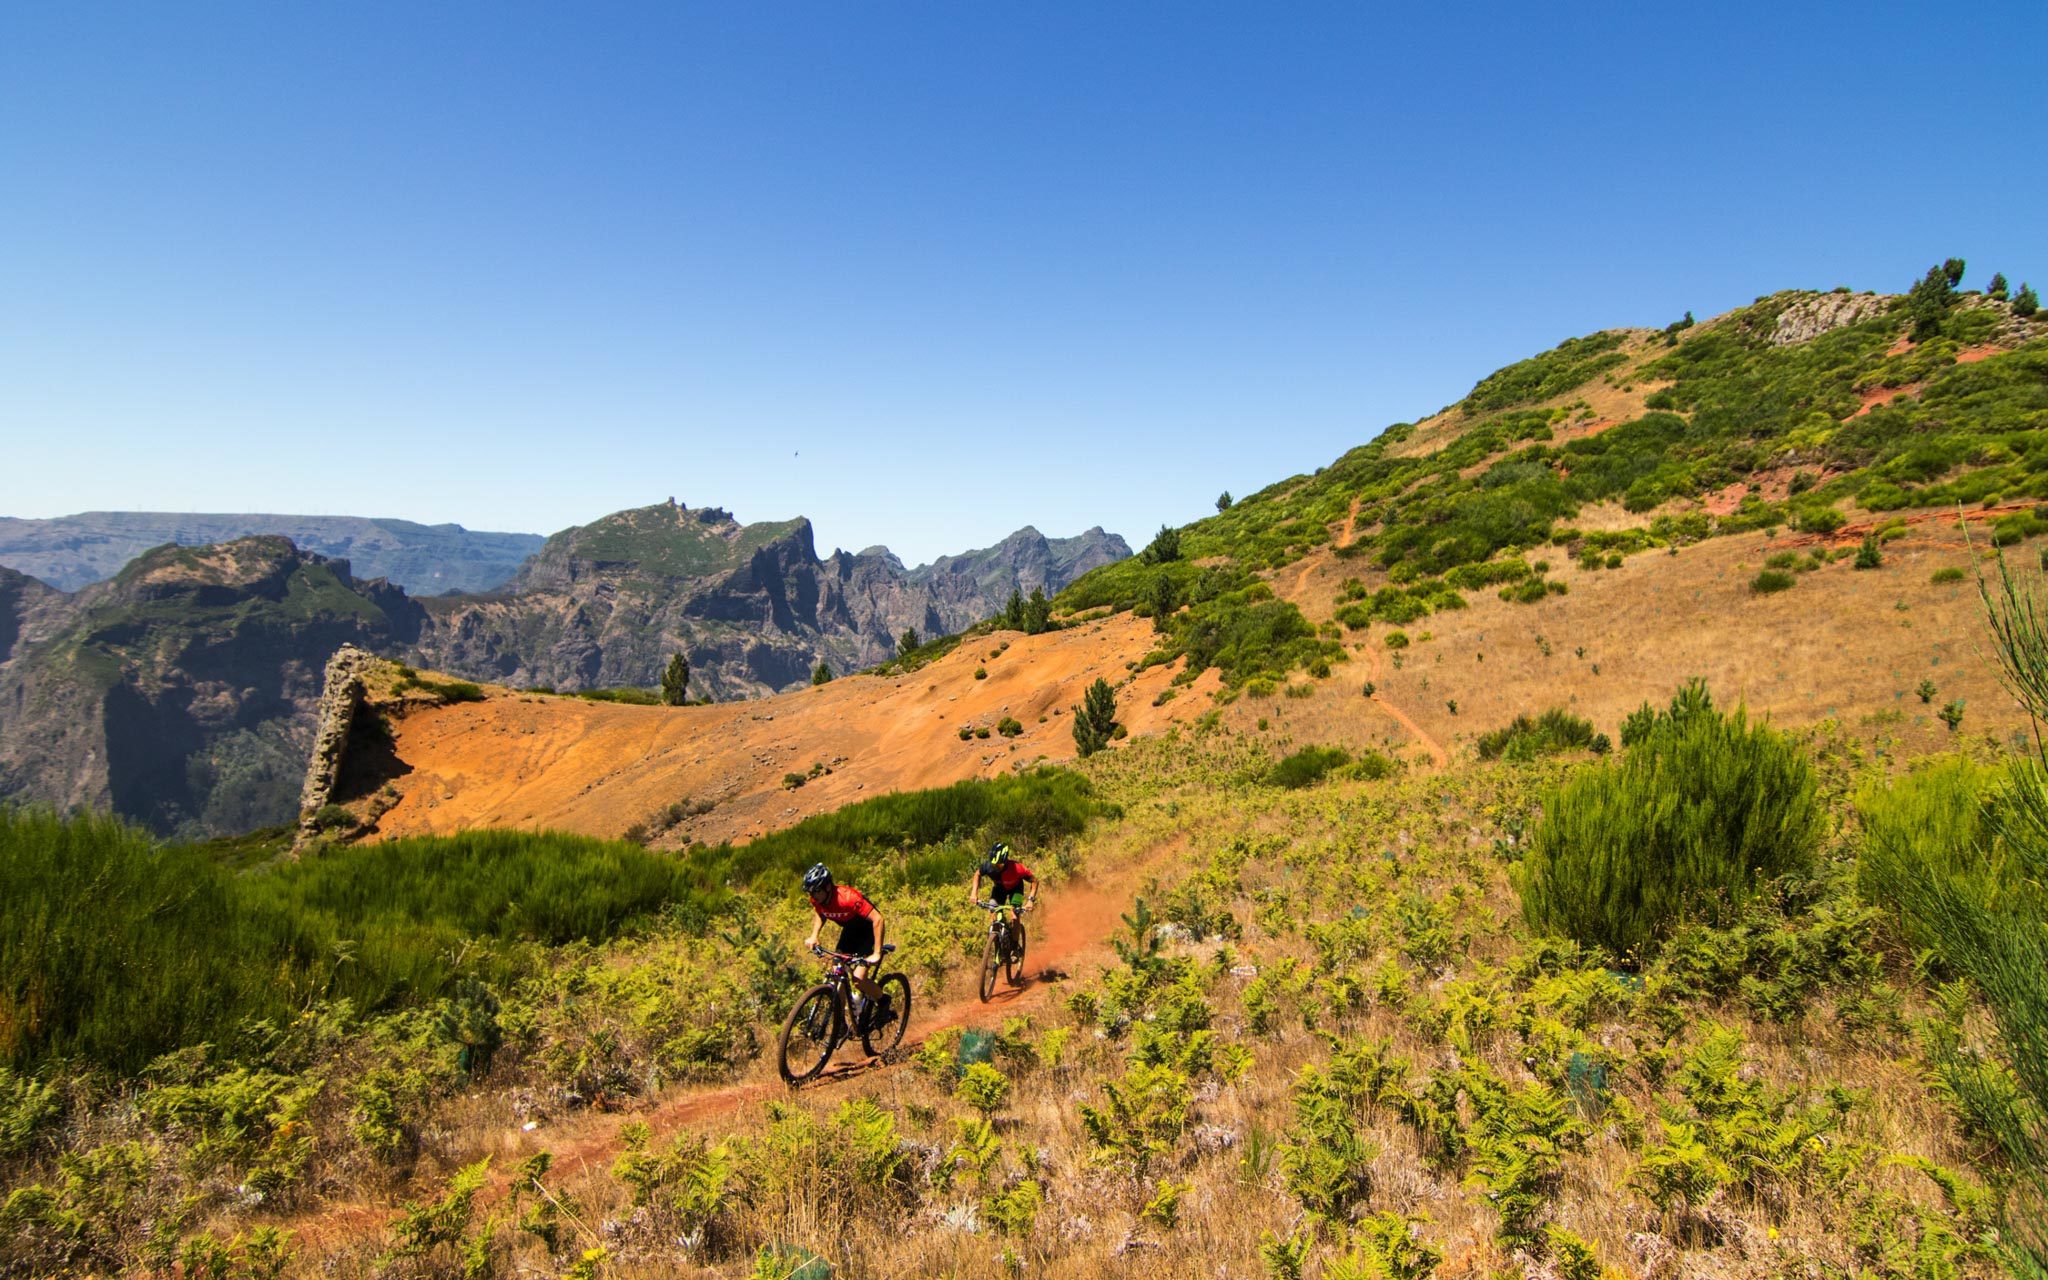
[752, 606]
[341, 698]
[1806, 320]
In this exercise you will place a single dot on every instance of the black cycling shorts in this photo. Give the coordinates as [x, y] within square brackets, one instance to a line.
[857, 937]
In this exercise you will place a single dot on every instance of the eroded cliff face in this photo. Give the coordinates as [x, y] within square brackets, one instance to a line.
[752, 606]
[181, 692]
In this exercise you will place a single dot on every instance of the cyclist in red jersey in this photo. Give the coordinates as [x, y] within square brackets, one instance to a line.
[860, 927]
[1011, 883]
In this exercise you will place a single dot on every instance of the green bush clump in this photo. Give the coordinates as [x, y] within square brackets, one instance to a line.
[1771, 581]
[1950, 574]
[1701, 809]
[1959, 853]
[631, 697]
[1556, 730]
[116, 949]
[1570, 364]
[861, 841]
[1307, 766]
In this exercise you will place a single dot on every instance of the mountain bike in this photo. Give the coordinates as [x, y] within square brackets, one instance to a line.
[834, 1011]
[1004, 948]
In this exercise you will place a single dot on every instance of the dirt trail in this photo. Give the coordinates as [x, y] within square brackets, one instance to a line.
[1400, 717]
[1372, 657]
[1071, 929]
[1311, 563]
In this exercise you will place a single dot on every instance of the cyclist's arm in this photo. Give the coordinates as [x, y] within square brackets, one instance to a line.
[1030, 890]
[974, 894]
[817, 924]
[880, 931]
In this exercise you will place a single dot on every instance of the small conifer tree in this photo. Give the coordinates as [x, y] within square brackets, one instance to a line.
[1095, 718]
[1928, 301]
[1164, 599]
[675, 681]
[1869, 556]
[1165, 546]
[1037, 613]
[907, 642]
[821, 674]
[1012, 616]
[1998, 286]
[1223, 500]
[2026, 302]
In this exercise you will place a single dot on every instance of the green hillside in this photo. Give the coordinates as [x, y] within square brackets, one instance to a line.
[1503, 474]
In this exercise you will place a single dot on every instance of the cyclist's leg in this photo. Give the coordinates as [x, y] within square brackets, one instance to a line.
[857, 937]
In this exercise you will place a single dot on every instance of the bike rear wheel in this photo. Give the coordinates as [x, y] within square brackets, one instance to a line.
[991, 959]
[1013, 963]
[880, 1038]
[809, 1035]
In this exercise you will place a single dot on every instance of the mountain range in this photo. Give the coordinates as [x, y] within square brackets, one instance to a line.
[70, 552]
[180, 692]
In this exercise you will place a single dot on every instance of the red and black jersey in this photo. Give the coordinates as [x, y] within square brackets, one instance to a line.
[846, 904]
[1008, 877]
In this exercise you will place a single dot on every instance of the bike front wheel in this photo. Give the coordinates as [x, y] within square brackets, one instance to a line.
[809, 1035]
[991, 960]
[881, 1035]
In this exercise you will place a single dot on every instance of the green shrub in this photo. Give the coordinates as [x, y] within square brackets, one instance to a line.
[1307, 766]
[1009, 727]
[1554, 731]
[1771, 581]
[116, 950]
[1950, 574]
[1960, 854]
[1868, 556]
[1700, 810]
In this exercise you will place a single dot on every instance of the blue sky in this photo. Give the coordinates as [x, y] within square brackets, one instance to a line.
[922, 272]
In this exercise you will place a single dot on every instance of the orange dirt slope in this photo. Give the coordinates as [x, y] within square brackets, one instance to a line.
[533, 761]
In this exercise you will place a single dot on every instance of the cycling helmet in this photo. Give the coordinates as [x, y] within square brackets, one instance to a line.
[999, 852]
[817, 880]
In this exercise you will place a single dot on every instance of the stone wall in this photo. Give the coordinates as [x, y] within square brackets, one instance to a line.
[340, 700]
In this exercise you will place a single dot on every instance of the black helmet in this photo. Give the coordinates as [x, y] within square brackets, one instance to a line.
[817, 879]
[999, 852]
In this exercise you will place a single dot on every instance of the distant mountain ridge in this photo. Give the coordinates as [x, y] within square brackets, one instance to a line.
[70, 552]
[752, 605]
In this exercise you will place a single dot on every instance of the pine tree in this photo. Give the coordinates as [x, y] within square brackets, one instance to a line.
[1012, 616]
[908, 642]
[1037, 613]
[2026, 302]
[1998, 286]
[1095, 718]
[1164, 599]
[821, 673]
[675, 681]
[1928, 302]
[1953, 269]
[1224, 500]
[1165, 546]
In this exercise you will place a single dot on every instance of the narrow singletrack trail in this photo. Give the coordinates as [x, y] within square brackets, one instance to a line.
[1400, 717]
[1343, 540]
[1372, 657]
[1072, 927]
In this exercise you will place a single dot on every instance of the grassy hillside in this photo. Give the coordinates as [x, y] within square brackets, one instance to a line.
[1742, 423]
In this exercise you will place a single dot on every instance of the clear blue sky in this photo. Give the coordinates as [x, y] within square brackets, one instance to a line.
[922, 272]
